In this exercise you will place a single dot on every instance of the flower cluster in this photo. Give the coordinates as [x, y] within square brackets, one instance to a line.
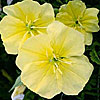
[50, 52]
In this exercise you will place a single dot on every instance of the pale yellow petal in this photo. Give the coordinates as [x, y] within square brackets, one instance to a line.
[40, 78]
[73, 8]
[34, 49]
[45, 17]
[26, 10]
[75, 75]
[10, 26]
[12, 44]
[66, 19]
[12, 32]
[90, 20]
[87, 36]
[65, 41]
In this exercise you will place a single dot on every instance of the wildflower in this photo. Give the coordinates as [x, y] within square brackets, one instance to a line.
[24, 19]
[54, 63]
[75, 15]
[18, 93]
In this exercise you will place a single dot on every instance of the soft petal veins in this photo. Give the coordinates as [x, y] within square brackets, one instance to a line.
[48, 72]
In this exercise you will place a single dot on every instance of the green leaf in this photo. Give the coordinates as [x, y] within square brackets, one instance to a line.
[92, 93]
[66, 1]
[17, 83]
[29, 95]
[56, 10]
[94, 54]
[2, 15]
[6, 75]
[40, 98]
[59, 1]
[94, 57]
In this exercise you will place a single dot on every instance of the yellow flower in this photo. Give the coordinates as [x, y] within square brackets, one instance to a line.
[23, 20]
[75, 15]
[54, 63]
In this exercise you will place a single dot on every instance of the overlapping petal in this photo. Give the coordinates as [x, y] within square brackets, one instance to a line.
[12, 32]
[26, 10]
[35, 49]
[87, 35]
[65, 41]
[45, 17]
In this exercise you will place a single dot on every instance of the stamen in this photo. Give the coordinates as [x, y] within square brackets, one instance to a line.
[31, 33]
[55, 57]
[39, 32]
[35, 20]
[38, 27]
[59, 70]
[29, 22]
[66, 62]
[56, 65]
[80, 24]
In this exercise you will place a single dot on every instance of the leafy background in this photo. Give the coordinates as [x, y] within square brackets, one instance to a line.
[9, 71]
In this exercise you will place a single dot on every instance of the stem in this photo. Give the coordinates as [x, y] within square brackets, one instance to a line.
[61, 98]
[6, 75]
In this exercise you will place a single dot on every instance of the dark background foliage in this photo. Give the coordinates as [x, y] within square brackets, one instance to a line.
[9, 72]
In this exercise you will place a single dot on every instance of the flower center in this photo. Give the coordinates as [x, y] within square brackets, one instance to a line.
[29, 27]
[33, 29]
[55, 58]
[76, 22]
[56, 61]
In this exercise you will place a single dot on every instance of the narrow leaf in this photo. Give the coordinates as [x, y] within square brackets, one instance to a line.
[17, 83]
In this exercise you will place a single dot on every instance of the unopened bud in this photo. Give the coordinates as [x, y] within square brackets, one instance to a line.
[18, 93]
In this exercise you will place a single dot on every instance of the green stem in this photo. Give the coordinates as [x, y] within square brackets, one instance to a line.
[6, 75]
